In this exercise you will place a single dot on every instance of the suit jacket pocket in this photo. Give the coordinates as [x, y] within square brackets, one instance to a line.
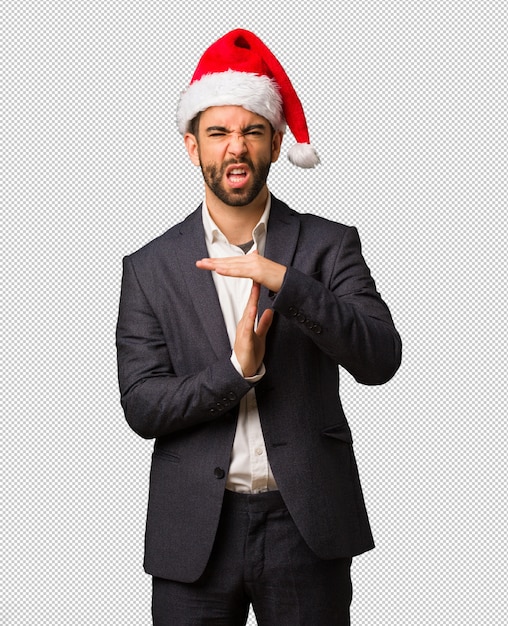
[338, 431]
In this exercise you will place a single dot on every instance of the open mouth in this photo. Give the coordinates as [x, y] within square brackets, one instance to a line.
[237, 175]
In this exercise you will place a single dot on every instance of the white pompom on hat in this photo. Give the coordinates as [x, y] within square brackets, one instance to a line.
[238, 69]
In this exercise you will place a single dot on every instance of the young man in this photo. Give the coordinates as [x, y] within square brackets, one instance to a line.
[231, 329]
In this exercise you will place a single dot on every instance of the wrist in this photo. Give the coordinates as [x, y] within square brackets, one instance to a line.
[257, 375]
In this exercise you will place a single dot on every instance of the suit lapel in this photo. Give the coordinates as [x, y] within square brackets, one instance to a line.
[190, 247]
[281, 241]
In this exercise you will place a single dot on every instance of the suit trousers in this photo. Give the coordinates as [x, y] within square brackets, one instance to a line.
[258, 558]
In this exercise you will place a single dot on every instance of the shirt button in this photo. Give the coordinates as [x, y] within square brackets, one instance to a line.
[259, 451]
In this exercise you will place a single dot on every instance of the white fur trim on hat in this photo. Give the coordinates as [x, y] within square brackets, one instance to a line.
[256, 93]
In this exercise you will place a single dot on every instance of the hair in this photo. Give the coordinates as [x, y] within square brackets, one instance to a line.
[194, 125]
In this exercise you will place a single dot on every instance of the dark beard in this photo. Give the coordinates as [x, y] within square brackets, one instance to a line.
[236, 197]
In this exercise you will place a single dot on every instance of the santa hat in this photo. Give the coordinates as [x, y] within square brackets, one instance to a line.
[239, 69]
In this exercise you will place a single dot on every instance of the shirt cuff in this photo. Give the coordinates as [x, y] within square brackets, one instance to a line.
[252, 379]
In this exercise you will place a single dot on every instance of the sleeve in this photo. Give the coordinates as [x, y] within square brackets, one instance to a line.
[346, 318]
[155, 400]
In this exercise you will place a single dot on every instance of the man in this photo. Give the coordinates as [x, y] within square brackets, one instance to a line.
[231, 329]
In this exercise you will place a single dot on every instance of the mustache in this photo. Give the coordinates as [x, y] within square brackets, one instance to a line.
[245, 161]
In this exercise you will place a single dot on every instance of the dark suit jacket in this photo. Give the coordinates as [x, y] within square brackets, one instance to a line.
[178, 385]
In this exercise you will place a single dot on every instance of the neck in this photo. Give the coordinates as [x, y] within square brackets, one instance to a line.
[236, 222]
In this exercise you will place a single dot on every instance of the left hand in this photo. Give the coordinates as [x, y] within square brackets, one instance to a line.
[253, 265]
[250, 341]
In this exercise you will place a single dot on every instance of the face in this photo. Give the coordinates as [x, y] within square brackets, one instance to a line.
[234, 149]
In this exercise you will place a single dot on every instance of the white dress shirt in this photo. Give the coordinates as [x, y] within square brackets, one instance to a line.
[249, 470]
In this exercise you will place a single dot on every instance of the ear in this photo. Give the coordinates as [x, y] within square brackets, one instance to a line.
[191, 145]
[276, 144]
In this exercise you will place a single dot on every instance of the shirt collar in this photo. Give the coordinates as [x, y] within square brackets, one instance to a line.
[213, 232]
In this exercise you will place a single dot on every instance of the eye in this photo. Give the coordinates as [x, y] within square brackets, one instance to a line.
[254, 132]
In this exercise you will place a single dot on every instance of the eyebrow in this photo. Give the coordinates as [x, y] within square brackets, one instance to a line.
[223, 129]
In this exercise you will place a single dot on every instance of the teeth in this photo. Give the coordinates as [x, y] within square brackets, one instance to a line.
[237, 171]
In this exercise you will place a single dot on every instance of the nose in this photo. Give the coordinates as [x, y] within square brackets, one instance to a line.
[237, 144]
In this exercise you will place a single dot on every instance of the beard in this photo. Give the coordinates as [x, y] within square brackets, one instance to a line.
[214, 176]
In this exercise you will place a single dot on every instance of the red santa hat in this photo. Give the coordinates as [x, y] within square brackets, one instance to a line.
[239, 69]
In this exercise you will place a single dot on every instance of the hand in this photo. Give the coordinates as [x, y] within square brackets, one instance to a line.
[250, 343]
[253, 265]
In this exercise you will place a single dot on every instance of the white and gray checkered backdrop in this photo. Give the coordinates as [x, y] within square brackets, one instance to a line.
[406, 104]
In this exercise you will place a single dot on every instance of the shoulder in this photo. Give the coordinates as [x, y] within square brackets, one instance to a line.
[311, 225]
[163, 242]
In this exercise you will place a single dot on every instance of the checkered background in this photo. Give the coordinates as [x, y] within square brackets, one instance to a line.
[406, 104]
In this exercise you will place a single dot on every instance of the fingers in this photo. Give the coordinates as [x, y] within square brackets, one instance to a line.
[227, 266]
[254, 296]
[222, 263]
[206, 264]
[249, 345]
[251, 311]
[253, 265]
[245, 266]
[248, 319]
[264, 323]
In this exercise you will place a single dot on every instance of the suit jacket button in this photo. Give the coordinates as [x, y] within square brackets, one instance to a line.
[232, 395]
[301, 318]
[317, 329]
[309, 323]
[219, 473]
[293, 311]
